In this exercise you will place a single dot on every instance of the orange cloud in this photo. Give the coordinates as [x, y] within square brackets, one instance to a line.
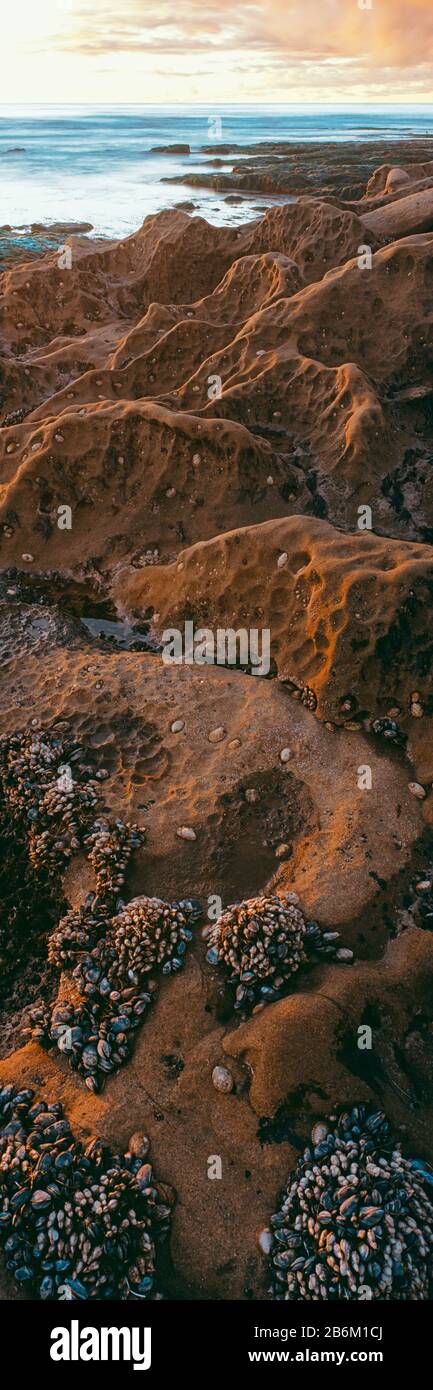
[394, 33]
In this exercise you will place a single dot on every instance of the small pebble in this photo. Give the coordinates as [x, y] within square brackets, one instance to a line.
[417, 790]
[285, 754]
[222, 1079]
[185, 832]
[216, 735]
[177, 726]
[265, 1240]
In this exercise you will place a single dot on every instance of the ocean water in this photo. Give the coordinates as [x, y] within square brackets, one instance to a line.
[94, 164]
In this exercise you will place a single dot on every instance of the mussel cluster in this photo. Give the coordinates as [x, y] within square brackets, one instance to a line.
[47, 811]
[78, 931]
[113, 982]
[46, 807]
[45, 797]
[75, 1221]
[356, 1220]
[263, 942]
[109, 849]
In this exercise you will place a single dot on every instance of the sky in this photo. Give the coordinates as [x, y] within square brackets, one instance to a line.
[170, 51]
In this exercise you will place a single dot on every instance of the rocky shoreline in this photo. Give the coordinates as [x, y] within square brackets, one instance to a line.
[230, 427]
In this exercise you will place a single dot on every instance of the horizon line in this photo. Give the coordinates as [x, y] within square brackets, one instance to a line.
[205, 105]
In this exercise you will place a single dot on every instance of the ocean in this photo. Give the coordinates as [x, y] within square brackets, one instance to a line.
[94, 164]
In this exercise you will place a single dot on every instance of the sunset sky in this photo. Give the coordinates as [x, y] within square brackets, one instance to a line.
[167, 51]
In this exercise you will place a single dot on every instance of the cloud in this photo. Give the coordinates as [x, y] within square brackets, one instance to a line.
[395, 33]
[273, 50]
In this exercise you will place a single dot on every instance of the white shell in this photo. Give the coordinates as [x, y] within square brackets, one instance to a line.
[222, 1079]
